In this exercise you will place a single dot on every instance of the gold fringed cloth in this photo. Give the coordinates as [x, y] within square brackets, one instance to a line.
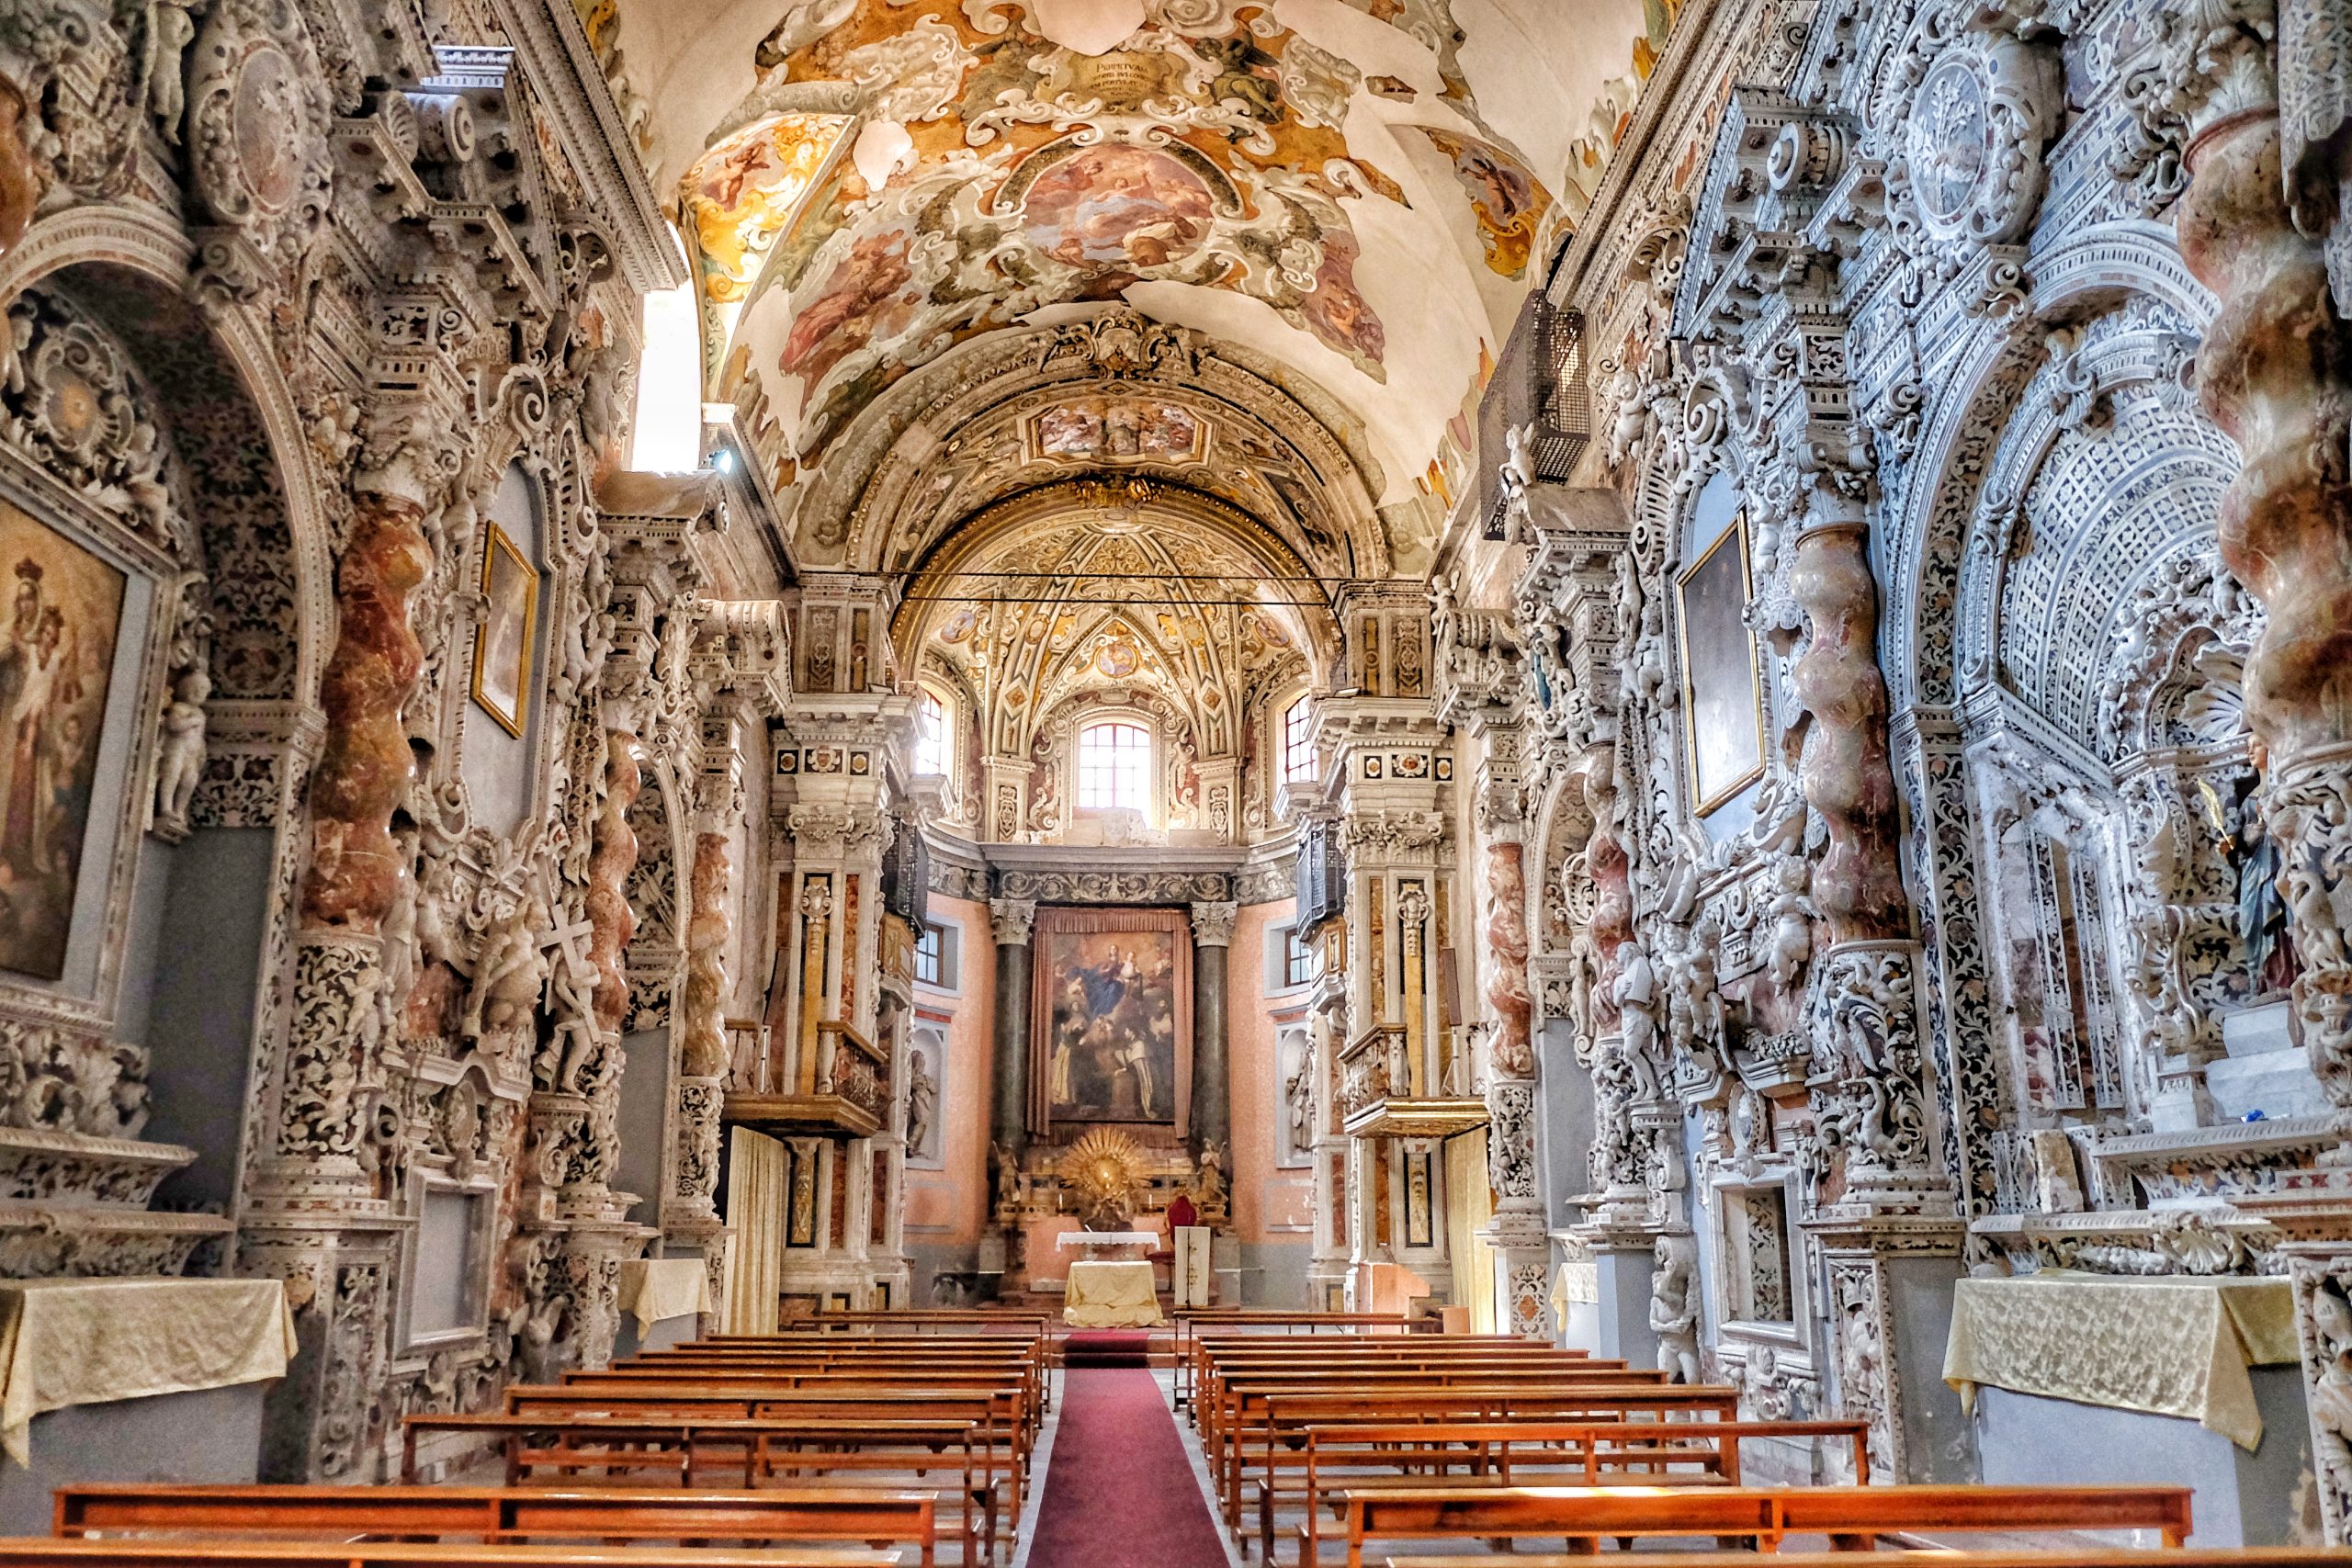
[2175, 1345]
[656, 1289]
[65, 1342]
[1110, 1296]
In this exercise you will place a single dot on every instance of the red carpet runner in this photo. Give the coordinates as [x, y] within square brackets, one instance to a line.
[1119, 1491]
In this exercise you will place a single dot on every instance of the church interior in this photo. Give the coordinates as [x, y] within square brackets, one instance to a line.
[1156, 783]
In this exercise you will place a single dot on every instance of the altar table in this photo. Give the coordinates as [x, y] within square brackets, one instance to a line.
[659, 1289]
[2174, 1345]
[71, 1342]
[1110, 1296]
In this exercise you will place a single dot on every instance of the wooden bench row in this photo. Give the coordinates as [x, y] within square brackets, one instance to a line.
[1360, 1458]
[1853, 1517]
[42, 1552]
[498, 1515]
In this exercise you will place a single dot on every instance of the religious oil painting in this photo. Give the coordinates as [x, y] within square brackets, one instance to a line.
[502, 647]
[1112, 1016]
[1722, 696]
[57, 655]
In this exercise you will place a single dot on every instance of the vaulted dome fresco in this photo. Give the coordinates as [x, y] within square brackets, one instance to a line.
[1361, 191]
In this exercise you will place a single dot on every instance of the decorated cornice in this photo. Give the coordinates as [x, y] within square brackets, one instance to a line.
[553, 45]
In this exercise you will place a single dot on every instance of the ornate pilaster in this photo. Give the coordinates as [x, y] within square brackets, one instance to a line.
[1382, 757]
[319, 1210]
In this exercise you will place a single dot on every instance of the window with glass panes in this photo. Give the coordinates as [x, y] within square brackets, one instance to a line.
[1115, 766]
[1298, 745]
[1298, 959]
[930, 736]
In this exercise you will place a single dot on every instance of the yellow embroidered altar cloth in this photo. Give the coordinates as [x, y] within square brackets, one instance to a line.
[2177, 1345]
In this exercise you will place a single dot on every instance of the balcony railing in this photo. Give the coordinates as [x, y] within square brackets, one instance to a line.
[1376, 1097]
[850, 1097]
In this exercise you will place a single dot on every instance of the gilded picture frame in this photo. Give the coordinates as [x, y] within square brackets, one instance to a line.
[503, 642]
[1723, 674]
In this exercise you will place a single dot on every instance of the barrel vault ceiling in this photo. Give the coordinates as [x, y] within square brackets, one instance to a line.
[1352, 196]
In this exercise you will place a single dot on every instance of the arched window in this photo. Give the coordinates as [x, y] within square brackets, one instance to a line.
[1298, 744]
[930, 736]
[1115, 766]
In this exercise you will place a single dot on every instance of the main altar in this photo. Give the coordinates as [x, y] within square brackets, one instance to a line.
[1110, 1099]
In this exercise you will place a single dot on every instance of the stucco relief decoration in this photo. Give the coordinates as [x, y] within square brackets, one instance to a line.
[70, 401]
[258, 116]
[1972, 137]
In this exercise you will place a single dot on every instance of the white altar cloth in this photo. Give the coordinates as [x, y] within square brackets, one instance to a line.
[89, 1341]
[1110, 1296]
[1107, 1238]
[658, 1288]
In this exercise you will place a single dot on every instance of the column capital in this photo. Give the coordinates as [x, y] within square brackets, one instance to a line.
[1009, 920]
[1213, 923]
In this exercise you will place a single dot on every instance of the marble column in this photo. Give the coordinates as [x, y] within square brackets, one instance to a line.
[2261, 225]
[1212, 1092]
[1009, 922]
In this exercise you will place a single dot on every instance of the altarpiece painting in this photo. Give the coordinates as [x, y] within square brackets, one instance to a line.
[57, 652]
[1723, 698]
[1111, 1033]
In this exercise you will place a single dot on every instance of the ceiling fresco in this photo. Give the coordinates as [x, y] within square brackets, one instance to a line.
[1100, 587]
[1361, 190]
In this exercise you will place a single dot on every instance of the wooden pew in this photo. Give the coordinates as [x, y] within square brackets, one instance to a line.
[45, 1551]
[2075, 1556]
[1203, 1347]
[1013, 1383]
[1191, 1322]
[1540, 1453]
[1487, 1363]
[1221, 1373]
[1267, 1420]
[1000, 1411]
[1274, 1428]
[502, 1515]
[681, 1450]
[1761, 1514]
[1224, 1396]
[915, 1320]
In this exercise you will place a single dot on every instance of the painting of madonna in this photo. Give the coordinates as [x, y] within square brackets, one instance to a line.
[57, 644]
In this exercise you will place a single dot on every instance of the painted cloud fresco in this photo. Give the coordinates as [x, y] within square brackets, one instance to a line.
[1204, 150]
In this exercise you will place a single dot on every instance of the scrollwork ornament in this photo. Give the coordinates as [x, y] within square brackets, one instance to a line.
[1865, 1023]
[258, 110]
[71, 402]
[1973, 141]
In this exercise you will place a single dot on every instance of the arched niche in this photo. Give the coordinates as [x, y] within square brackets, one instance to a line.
[498, 747]
[159, 434]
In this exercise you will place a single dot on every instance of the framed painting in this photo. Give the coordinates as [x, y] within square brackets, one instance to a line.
[57, 655]
[503, 644]
[1723, 687]
[1111, 1032]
